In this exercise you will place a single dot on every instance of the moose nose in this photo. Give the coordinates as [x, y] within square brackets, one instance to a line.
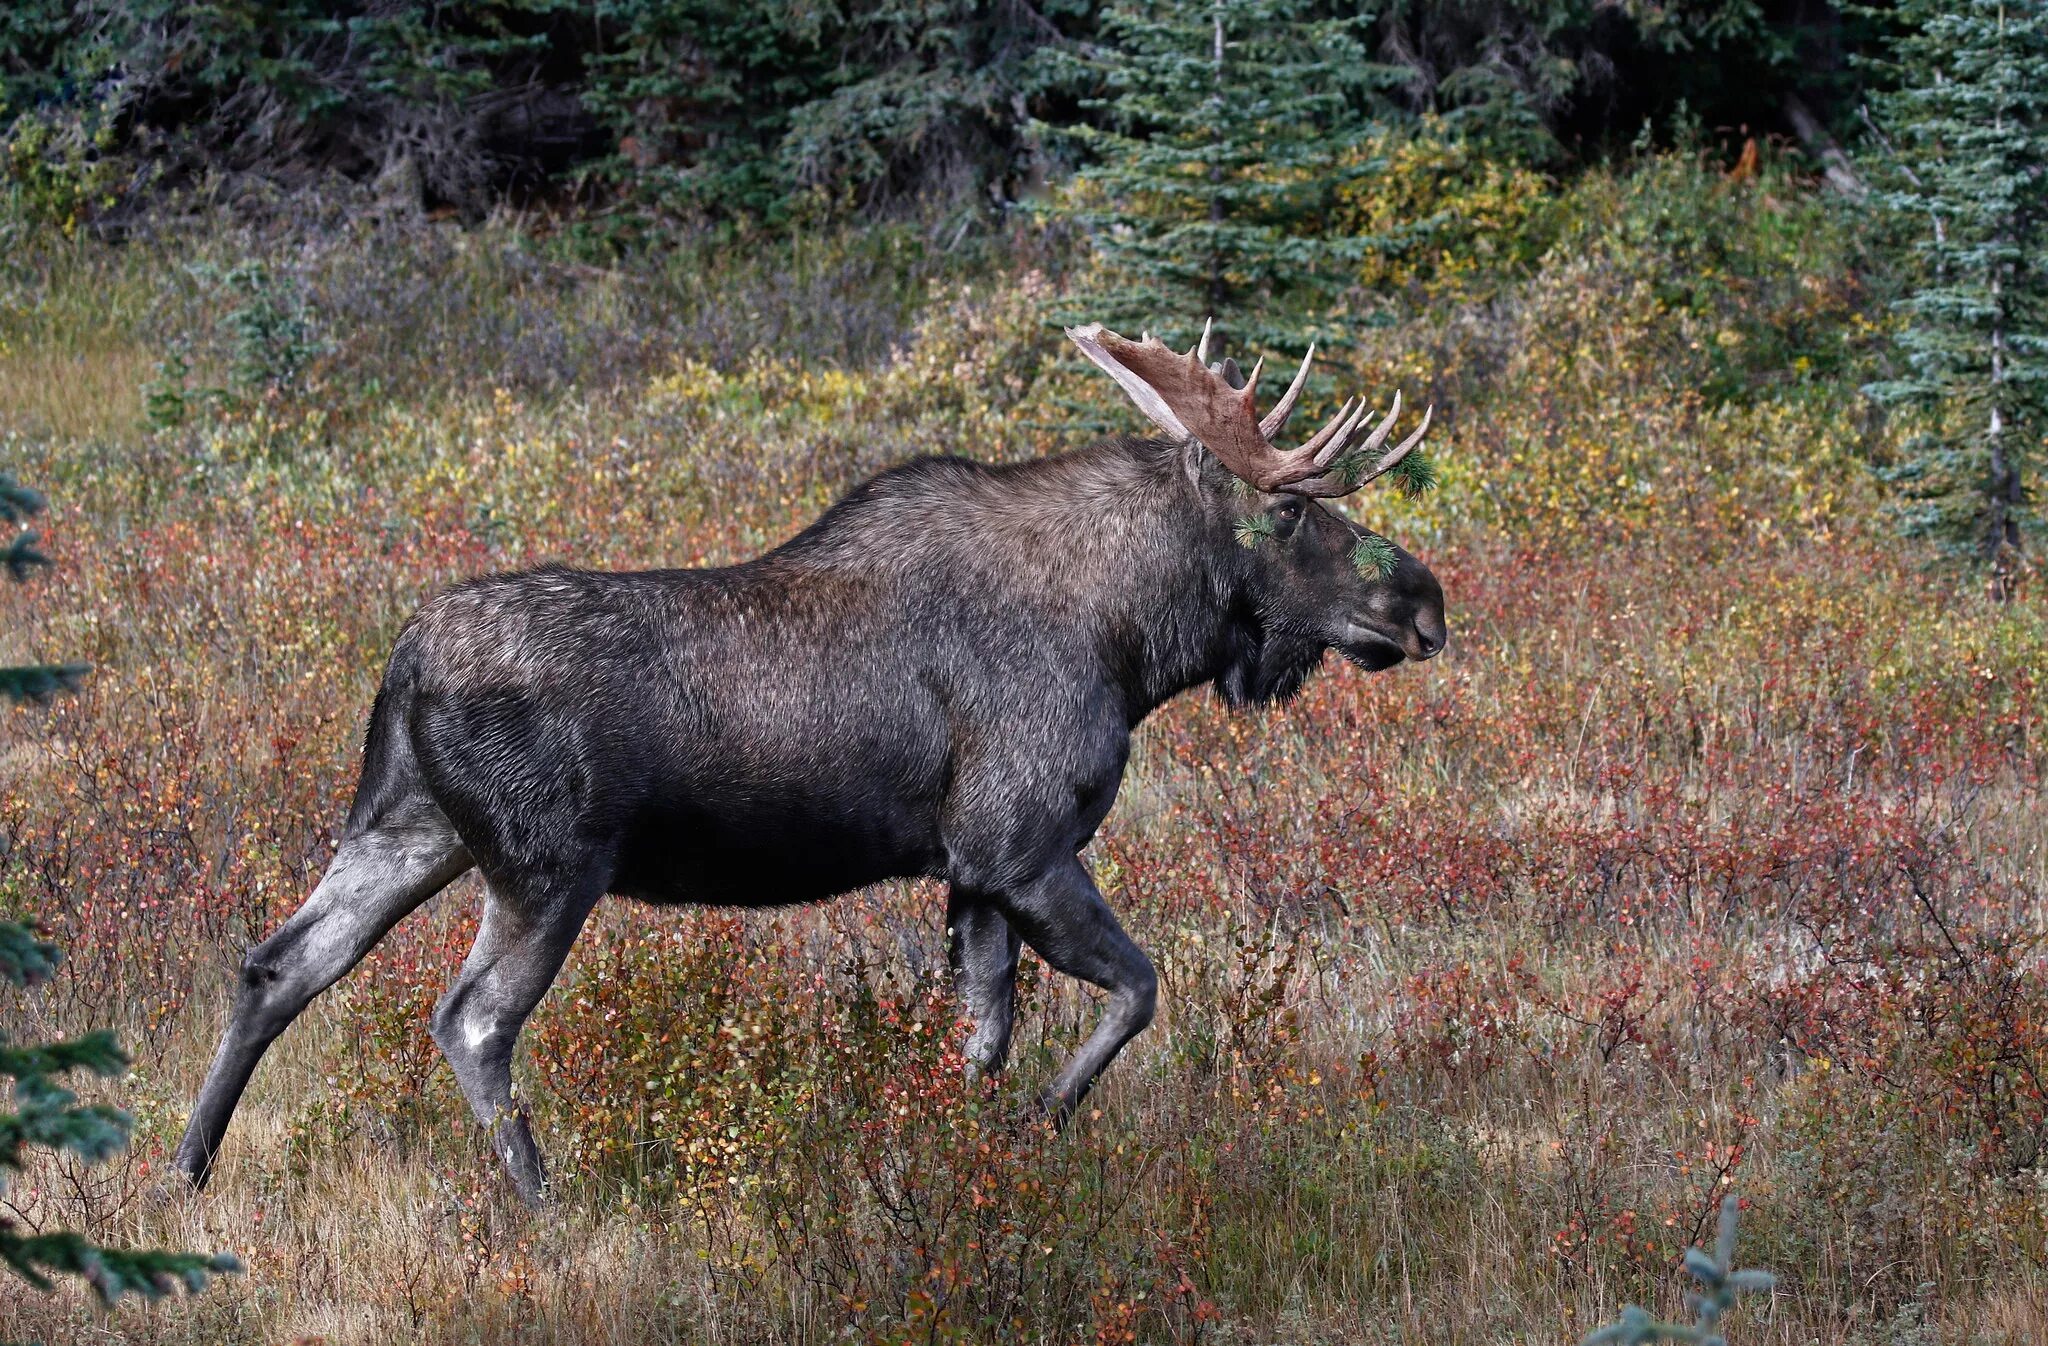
[1430, 643]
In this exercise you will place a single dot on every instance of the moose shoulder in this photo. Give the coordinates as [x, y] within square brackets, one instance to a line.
[938, 677]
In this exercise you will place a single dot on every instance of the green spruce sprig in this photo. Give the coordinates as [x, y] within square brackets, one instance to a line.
[40, 682]
[1253, 529]
[1413, 475]
[1720, 1282]
[19, 504]
[1375, 557]
[1416, 474]
[24, 959]
[21, 557]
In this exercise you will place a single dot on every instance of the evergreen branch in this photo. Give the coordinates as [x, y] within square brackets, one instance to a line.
[24, 959]
[1375, 558]
[23, 556]
[1349, 466]
[39, 682]
[17, 502]
[1253, 529]
[111, 1272]
[97, 1052]
[1416, 474]
[1720, 1283]
[50, 1118]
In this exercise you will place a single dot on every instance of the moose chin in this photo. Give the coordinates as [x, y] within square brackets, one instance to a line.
[939, 677]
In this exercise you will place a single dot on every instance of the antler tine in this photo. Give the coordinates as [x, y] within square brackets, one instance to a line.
[1329, 452]
[1334, 484]
[1202, 346]
[1343, 438]
[1379, 434]
[1275, 420]
[1314, 445]
[1340, 484]
[1188, 400]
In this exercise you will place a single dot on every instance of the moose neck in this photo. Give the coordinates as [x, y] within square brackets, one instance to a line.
[1126, 546]
[1178, 613]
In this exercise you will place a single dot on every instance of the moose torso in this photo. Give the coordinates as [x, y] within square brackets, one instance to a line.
[867, 702]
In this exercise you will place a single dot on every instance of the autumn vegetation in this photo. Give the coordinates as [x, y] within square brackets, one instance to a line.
[1711, 857]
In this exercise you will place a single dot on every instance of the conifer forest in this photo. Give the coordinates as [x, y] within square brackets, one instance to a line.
[1664, 960]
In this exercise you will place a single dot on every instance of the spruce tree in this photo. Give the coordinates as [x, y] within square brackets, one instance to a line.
[1206, 187]
[22, 558]
[48, 1115]
[1720, 1283]
[45, 1113]
[1967, 130]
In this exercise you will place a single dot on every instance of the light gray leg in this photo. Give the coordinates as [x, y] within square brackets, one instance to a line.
[984, 951]
[519, 948]
[375, 879]
[1063, 917]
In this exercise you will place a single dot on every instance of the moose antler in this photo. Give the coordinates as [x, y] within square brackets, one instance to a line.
[1188, 399]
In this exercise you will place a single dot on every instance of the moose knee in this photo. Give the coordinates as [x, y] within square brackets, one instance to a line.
[446, 1026]
[1139, 997]
[466, 1030]
[265, 1001]
[284, 971]
[259, 973]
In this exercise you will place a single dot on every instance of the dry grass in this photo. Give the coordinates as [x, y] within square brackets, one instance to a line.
[73, 395]
[73, 360]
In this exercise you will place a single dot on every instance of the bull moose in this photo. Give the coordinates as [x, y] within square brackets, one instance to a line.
[940, 676]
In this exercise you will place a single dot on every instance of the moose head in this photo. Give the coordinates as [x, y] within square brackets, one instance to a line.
[1310, 578]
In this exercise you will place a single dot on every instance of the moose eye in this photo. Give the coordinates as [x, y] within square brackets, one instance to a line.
[1286, 515]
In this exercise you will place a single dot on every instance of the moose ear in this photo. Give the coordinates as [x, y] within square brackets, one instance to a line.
[1147, 398]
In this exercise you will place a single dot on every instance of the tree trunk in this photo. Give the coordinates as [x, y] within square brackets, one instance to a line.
[1836, 169]
[2002, 536]
[1217, 290]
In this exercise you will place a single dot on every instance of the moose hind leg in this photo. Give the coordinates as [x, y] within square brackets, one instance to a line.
[1062, 916]
[984, 956]
[519, 949]
[376, 877]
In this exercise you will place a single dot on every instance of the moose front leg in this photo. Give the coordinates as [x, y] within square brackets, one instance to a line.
[983, 949]
[1062, 916]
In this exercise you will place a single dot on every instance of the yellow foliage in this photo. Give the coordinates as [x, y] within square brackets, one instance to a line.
[1446, 220]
